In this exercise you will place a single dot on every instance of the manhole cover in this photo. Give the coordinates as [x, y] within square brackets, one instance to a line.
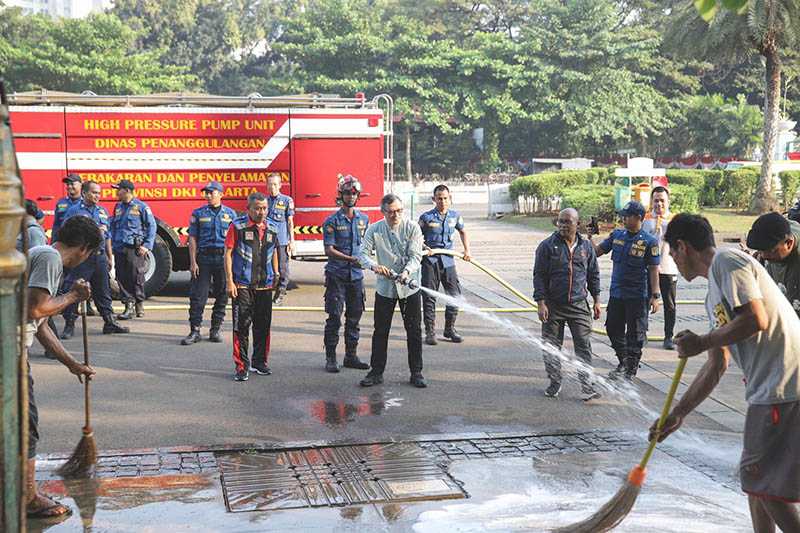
[343, 475]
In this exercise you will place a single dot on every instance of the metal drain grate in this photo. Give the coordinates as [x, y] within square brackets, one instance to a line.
[331, 476]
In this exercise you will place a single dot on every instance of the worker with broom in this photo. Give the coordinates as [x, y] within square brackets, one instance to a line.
[78, 239]
[755, 324]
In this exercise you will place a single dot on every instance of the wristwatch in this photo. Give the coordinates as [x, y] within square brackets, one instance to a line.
[657, 296]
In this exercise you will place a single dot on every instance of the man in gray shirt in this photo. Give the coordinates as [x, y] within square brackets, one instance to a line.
[397, 244]
[79, 237]
[752, 322]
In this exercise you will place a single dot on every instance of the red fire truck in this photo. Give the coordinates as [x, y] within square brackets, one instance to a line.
[171, 145]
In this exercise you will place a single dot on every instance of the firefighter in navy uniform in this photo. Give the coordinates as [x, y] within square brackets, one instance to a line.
[208, 226]
[634, 287]
[133, 234]
[96, 268]
[280, 212]
[438, 226]
[251, 265]
[73, 182]
[344, 278]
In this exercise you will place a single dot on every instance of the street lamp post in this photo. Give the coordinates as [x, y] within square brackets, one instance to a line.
[13, 373]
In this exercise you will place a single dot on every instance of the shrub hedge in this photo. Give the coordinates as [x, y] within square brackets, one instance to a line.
[739, 187]
[790, 183]
[591, 200]
[549, 184]
[684, 199]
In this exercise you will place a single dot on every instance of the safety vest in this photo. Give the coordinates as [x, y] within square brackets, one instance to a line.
[252, 256]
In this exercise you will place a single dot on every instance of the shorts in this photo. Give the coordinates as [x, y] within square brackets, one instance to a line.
[770, 464]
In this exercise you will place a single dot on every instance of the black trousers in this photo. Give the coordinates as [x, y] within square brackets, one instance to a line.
[211, 275]
[95, 271]
[130, 269]
[411, 309]
[433, 275]
[669, 289]
[626, 326]
[251, 307]
[283, 266]
[578, 317]
[348, 296]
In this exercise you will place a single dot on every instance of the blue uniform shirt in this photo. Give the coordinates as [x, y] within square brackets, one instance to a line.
[279, 208]
[631, 253]
[97, 213]
[346, 236]
[437, 230]
[62, 206]
[209, 226]
[131, 221]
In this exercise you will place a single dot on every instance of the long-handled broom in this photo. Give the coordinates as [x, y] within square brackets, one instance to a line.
[84, 457]
[612, 513]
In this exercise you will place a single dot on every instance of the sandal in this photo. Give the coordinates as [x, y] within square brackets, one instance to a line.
[55, 511]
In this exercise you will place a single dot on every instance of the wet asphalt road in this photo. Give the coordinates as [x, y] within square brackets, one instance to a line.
[152, 392]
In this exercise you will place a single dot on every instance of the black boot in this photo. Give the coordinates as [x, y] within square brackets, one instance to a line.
[631, 367]
[111, 326]
[330, 361]
[450, 330]
[430, 335]
[351, 360]
[90, 310]
[128, 313]
[192, 337]
[139, 309]
[213, 333]
[69, 329]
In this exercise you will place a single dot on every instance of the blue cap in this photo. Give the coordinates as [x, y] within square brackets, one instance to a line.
[39, 214]
[212, 186]
[632, 208]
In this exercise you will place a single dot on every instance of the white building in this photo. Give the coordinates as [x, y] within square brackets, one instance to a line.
[60, 8]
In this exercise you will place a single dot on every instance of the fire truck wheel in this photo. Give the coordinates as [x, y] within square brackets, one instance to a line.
[159, 266]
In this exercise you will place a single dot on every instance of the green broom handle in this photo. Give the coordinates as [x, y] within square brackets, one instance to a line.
[86, 395]
[676, 379]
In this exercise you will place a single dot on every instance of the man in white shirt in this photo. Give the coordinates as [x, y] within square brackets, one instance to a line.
[655, 223]
[755, 324]
[397, 244]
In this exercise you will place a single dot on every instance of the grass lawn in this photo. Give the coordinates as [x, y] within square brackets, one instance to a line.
[723, 220]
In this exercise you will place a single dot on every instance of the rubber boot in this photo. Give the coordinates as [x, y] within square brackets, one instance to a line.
[192, 337]
[351, 360]
[450, 329]
[430, 335]
[111, 326]
[69, 329]
[128, 313]
[631, 367]
[330, 361]
[139, 309]
[213, 333]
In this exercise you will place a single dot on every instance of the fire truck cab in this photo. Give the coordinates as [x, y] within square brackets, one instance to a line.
[171, 145]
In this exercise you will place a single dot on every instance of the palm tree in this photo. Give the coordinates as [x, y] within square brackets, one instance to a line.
[769, 28]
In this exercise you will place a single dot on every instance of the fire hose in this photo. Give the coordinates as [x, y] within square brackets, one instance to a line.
[533, 308]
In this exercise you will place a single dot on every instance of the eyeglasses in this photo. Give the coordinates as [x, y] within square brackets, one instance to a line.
[391, 212]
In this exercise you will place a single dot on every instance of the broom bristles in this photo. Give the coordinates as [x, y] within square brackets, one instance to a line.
[83, 459]
[614, 511]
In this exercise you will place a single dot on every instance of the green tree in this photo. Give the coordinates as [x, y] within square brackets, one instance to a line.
[225, 43]
[77, 55]
[768, 28]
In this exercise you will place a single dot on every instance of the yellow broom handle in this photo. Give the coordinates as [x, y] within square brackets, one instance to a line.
[86, 395]
[676, 379]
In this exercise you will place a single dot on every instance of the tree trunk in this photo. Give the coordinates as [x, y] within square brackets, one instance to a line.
[764, 199]
[409, 177]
